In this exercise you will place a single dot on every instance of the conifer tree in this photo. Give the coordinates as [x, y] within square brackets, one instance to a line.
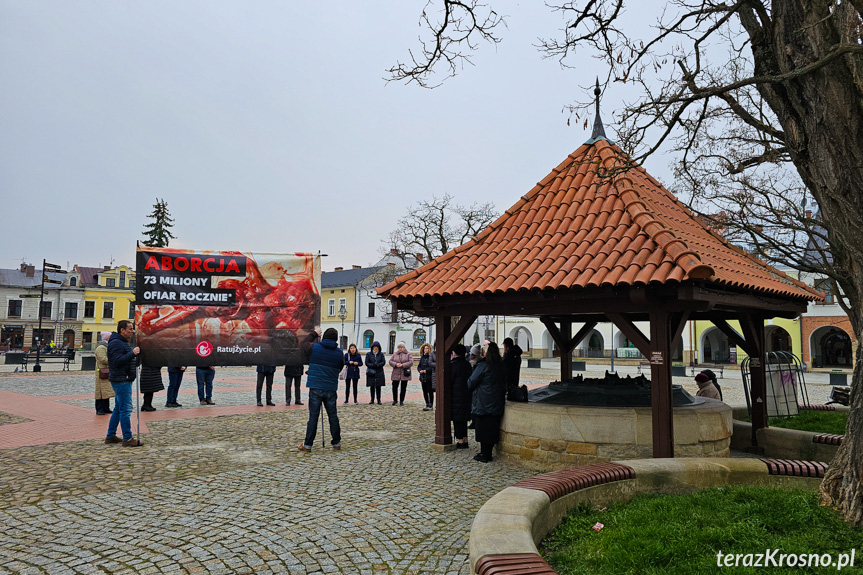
[158, 231]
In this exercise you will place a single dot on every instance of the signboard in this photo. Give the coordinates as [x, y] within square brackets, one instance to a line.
[656, 358]
[211, 308]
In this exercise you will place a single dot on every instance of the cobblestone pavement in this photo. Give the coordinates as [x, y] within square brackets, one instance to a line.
[231, 494]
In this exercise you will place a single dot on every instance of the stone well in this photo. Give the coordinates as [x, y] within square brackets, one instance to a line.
[547, 436]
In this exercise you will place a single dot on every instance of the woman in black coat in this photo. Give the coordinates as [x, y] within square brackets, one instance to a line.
[375, 378]
[151, 382]
[488, 384]
[461, 396]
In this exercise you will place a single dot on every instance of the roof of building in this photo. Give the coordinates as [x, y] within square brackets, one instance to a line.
[17, 278]
[351, 277]
[596, 220]
[89, 276]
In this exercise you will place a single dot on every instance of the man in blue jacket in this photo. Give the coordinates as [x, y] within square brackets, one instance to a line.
[325, 363]
[122, 372]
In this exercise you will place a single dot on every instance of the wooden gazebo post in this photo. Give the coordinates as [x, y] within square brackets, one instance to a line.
[447, 338]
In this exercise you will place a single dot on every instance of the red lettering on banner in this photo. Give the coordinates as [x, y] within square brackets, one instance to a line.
[181, 264]
[208, 266]
[232, 267]
[195, 266]
[166, 263]
[152, 263]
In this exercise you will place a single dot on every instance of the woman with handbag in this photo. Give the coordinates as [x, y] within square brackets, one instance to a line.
[426, 370]
[375, 379]
[104, 391]
[401, 362]
[353, 361]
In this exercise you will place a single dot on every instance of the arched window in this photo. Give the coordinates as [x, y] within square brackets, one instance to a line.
[73, 281]
[368, 339]
[419, 338]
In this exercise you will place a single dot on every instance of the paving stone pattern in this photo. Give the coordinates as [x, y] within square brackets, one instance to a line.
[231, 494]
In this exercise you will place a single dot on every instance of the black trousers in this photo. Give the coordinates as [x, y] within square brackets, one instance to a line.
[375, 392]
[348, 389]
[269, 379]
[460, 428]
[296, 379]
[428, 394]
[396, 390]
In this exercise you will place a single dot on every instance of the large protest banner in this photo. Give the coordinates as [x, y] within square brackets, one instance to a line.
[212, 308]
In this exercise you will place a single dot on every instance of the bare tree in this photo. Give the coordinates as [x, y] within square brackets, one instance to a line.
[433, 227]
[429, 229]
[762, 101]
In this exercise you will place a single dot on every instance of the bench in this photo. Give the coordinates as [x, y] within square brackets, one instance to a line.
[717, 369]
[66, 359]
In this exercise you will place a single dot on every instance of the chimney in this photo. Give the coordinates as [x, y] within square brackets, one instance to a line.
[394, 251]
[808, 214]
[106, 268]
[30, 271]
[338, 269]
[355, 267]
[391, 264]
[419, 257]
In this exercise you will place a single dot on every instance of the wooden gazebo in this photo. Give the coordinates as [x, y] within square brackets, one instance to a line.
[598, 239]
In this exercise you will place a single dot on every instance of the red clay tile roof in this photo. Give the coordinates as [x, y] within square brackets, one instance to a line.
[576, 228]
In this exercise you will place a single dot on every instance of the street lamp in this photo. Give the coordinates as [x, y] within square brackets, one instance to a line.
[343, 313]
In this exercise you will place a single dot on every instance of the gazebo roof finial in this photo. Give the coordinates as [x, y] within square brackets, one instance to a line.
[598, 128]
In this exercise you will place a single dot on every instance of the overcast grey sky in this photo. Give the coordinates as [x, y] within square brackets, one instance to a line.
[266, 125]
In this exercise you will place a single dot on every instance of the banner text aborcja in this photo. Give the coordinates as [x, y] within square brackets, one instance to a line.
[211, 308]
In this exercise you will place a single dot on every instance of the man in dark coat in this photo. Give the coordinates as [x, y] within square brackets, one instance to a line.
[511, 363]
[122, 372]
[461, 395]
[325, 363]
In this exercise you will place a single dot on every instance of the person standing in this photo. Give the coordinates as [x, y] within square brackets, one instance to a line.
[175, 377]
[461, 396]
[122, 371]
[401, 362]
[706, 387]
[104, 391]
[375, 378]
[293, 374]
[265, 373]
[426, 368]
[488, 385]
[205, 376]
[325, 363]
[353, 361]
[150, 383]
[511, 363]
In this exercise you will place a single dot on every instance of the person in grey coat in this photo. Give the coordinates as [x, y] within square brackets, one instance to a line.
[488, 385]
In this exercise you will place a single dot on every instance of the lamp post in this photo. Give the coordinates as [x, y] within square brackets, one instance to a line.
[343, 313]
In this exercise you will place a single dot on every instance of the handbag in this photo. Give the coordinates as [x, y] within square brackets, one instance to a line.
[343, 373]
[407, 372]
[103, 373]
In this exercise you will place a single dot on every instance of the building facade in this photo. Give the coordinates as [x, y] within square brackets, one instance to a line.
[60, 309]
[109, 296]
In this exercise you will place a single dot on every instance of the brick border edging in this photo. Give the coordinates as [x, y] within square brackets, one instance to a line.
[508, 527]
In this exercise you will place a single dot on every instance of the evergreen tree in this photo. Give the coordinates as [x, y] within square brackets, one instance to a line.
[158, 232]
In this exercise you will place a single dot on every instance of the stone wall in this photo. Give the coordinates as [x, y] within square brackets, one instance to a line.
[547, 437]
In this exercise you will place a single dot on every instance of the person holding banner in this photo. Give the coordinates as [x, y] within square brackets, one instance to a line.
[266, 372]
[175, 378]
[293, 373]
[325, 363]
[205, 376]
[122, 372]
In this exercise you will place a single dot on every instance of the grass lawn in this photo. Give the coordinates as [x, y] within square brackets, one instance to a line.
[674, 535]
[812, 420]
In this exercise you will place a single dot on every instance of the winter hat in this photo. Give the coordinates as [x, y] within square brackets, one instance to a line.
[331, 333]
[476, 350]
[104, 335]
[402, 344]
[701, 378]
